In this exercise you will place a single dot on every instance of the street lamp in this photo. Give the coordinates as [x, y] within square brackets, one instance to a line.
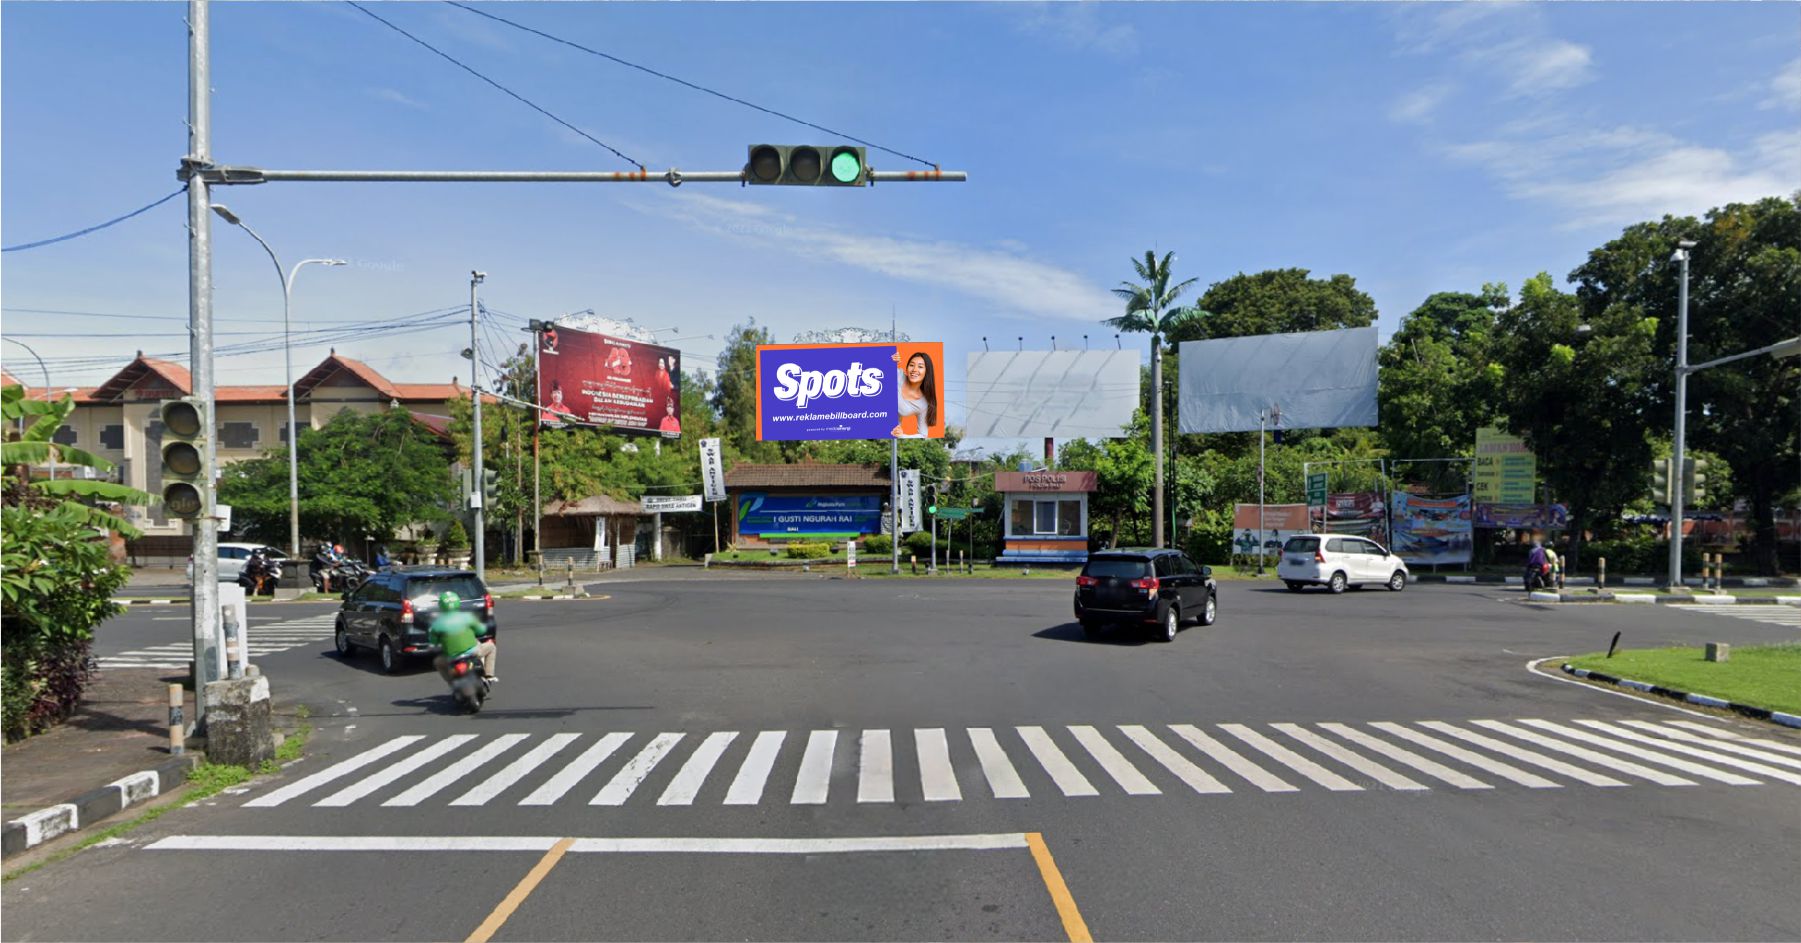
[287, 348]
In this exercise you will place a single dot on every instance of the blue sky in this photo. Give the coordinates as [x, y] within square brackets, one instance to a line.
[1419, 148]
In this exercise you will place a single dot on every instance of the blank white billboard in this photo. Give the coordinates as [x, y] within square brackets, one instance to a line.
[1319, 380]
[1063, 394]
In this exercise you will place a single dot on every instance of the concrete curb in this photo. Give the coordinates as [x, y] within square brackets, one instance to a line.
[1652, 599]
[1494, 579]
[33, 829]
[1757, 713]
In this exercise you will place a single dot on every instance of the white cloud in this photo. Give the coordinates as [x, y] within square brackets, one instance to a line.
[398, 97]
[1537, 67]
[1003, 277]
[1417, 106]
[1616, 176]
[1077, 26]
[1785, 88]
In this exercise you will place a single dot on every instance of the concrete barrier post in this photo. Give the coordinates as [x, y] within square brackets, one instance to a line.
[1601, 574]
[239, 728]
[1718, 651]
[177, 723]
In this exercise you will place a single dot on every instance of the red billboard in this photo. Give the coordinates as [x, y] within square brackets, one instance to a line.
[596, 379]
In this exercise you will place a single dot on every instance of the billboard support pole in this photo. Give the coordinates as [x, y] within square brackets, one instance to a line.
[537, 474]
[893, 481]
[1260, 538]
[475, 397]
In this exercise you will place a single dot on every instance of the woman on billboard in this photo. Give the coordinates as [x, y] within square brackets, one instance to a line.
[918, 397]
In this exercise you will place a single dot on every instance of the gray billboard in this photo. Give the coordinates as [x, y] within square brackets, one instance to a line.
[1064, 394]
[1318, 379]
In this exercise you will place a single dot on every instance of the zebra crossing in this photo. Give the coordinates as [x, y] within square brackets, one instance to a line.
[937, 765]
[1773, 615]
[264, 640]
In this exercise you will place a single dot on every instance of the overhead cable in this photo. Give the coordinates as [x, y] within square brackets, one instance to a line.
[684, 82]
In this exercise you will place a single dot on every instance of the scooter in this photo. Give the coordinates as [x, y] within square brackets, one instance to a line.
[271, 579]
[467, 683]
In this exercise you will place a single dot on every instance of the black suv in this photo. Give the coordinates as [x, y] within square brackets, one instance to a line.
[1154, 588]
[392, 612]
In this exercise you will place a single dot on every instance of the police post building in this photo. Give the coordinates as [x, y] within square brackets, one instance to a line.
[1046, 515]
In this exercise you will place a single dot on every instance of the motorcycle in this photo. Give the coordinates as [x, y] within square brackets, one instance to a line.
[467, 683]
[1538, 577]
[345, 576]
[271, 576]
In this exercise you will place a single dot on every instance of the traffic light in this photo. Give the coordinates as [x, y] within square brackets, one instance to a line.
[1660, 481]
[185, 427]
[932, 509]
[490, 481]
[807, 165]
[1694, 481]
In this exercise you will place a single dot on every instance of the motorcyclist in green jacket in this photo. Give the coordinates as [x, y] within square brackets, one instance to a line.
[458, 633]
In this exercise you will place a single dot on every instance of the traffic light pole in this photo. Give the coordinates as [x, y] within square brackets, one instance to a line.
[475, 395]
[205, 591]
[1678, 445]
[237, 174]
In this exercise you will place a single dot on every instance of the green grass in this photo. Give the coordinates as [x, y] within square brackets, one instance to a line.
[1758, 675]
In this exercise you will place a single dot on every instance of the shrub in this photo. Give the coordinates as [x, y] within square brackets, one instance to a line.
[880, 545]
[456, 538]
[1644, 555]
[808, 551]
[919, 543]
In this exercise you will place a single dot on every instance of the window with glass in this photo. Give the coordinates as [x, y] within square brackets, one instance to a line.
[1046, 517]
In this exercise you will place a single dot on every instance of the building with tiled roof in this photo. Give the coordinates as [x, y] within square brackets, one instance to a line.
[118, 420]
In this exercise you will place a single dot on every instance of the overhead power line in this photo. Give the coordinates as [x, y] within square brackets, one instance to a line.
[684, 82]
[82, 232]
[521, 98]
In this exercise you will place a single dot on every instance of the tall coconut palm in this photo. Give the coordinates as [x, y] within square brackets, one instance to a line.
[1151, 309]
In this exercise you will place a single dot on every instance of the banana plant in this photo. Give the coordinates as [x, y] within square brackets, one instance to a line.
[34, 446]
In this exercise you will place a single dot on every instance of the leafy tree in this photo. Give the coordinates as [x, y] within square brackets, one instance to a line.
[1151, 309]
[735, 395]
[56, 573]
[1277, 301]
[1744, 293]
[1580, 398]
[360, 473]
[1123, 477]
[1438, 383]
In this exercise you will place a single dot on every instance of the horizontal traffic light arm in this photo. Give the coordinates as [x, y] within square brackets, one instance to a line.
[221, 174]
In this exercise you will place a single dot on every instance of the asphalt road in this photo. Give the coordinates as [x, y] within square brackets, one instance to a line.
[829, 759]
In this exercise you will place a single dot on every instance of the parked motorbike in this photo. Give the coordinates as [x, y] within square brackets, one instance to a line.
[467, 683]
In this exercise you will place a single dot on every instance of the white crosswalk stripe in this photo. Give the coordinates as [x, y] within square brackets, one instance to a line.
[673, 768]
[1756, 612]
[270, 639]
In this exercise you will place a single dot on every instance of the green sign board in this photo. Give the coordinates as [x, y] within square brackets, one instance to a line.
[1316, 489]
[953, 514]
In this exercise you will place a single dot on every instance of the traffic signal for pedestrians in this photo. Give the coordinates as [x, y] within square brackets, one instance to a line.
[807, 165]
[1694, 481]
[185, 427]
[1660, 481]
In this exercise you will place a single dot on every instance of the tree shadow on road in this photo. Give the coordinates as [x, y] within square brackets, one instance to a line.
[446, 705]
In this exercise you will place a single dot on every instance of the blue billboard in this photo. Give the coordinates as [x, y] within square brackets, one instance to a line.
[827, 515]
[850, 391]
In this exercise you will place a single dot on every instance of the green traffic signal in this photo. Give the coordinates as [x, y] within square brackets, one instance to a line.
[847, 165]
[806, 165]
[932, 509]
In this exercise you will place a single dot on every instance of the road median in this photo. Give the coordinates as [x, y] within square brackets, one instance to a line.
[1759, 681]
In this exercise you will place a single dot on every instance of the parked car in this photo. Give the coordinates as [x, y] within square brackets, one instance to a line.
[392, 612]
[1153, 588]
[232, 557]
[1337, 561]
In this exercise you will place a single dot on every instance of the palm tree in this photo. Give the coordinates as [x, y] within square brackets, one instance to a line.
[1150, 309]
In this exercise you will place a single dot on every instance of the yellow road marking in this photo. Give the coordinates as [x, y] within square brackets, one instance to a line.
[1073, 924]
[492, 925]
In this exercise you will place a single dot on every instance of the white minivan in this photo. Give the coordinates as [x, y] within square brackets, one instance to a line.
[1339, 560]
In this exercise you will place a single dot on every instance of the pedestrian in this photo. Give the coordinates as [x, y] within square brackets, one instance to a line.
[1553, 569]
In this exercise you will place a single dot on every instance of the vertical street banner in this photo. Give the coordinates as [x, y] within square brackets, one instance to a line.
[909, 495]
[1506, 470]
[712, 470]
[1433, 530]
[595, 379]
[850, 391]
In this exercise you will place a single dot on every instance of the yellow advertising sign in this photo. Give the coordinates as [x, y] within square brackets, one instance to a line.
[1506, 469]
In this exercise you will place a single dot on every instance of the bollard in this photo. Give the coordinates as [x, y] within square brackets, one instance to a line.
[540, 571]
[913, 561]
[1601, 574]
[961, 566]
[177, 724]
[569, 572]
[1613, 644]
[1718, 651]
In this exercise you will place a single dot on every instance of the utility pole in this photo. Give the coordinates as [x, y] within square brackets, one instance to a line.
[1678, 446]
[475, 396]
[200, 347]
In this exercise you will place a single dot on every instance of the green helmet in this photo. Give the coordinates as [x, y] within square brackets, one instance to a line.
[448, 601]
